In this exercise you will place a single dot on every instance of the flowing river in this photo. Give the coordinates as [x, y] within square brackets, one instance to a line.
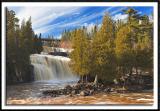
[53, 72]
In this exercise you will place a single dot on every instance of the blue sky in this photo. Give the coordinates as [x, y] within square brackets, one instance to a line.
[54, 20]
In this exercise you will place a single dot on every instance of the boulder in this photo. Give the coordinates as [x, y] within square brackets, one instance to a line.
[70, 95]
[73, 92]
[84, 93]
[53, 95]
[112, 89]
[108, 89]
[91, 92]
[64, 91]
[48, 92]
[68, 87]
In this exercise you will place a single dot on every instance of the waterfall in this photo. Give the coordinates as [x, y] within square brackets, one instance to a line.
[49, 67]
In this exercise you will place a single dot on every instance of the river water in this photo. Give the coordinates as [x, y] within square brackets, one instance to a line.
[31, 93]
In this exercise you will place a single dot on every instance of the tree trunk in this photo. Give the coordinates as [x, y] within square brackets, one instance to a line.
[123, 70]
[86, 78]
[124, 84]
[96, 80]
[130, 73]
[82, 78]
[136, 71]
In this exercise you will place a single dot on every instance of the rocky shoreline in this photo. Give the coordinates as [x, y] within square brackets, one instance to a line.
[84, 89]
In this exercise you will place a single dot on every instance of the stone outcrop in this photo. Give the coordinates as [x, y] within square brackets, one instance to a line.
[82, 89]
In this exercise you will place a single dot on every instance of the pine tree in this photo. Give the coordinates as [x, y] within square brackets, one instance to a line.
[12, 21]
[124, 50]
[144, 47]
[19, 48]
[103, 50]
[40, 48]
[79, 55]
[133, 43]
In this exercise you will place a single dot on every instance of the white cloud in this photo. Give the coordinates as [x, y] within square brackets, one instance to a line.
[150, 18]
[120, 16]
[58, 36]
[118, 10]
[47, 28]
[76, 13]
[78, 22]
[85, 18]
[42, 16]
[90, 27]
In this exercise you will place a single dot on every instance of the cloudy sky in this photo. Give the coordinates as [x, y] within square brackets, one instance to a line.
[54, 20]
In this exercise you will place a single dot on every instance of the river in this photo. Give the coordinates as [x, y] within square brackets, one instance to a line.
[31, 93]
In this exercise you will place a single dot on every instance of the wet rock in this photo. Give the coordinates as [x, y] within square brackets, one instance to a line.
[73, 92]
[112, 89]
[68, 92]
[107, 90]
[87, 86]
[61, 93]
[84, 93]
[64, 91]
[121, 90]
[68, 87]
[70, 95]
[91, 92]
[83, 89]
[49, 92]
[53, 95]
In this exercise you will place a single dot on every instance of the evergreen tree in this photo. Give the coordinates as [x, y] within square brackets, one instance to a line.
[12, 45]
[20, 45]
[79, 55]
[40, 48]
[133, 43]
[38, 44]
[124, 50]
[103, 50]
[144, 47]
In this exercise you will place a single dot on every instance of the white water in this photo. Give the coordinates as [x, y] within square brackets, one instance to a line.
[50, 68]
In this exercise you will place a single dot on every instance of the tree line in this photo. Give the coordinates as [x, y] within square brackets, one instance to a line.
[21, 41]
[115, 49]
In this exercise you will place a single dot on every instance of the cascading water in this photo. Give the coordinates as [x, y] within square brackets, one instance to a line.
[48, 67]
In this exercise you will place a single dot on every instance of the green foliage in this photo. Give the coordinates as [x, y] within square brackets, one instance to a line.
[103, 50]
[123, 49]
[80, 54]
[143, 47]
[37, 44]
[20, 44]
[134, 43]
[115, 49]
[66, 36]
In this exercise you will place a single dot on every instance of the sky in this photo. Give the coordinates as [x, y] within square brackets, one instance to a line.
[54, 20]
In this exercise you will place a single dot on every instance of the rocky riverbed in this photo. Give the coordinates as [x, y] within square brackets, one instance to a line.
[82, 89]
